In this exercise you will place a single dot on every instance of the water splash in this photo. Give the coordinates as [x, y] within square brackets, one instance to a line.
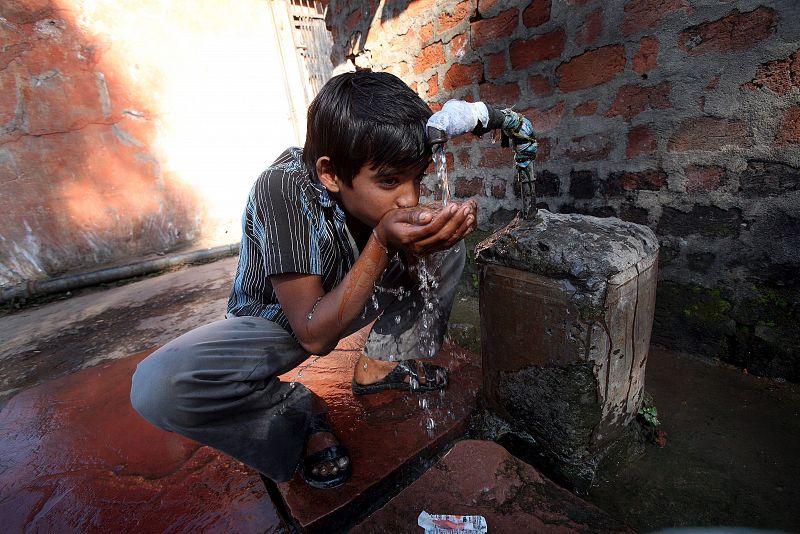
[440, 162]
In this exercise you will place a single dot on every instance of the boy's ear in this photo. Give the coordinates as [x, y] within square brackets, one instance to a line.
[327, 175]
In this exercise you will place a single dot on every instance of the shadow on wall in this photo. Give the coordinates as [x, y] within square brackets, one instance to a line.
[130, 127]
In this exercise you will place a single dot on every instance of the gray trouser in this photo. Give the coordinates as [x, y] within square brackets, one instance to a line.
[218, 384]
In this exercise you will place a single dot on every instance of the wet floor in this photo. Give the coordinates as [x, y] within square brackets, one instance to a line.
[732, 456]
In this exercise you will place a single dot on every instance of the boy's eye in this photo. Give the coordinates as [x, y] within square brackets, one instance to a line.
[389, 181]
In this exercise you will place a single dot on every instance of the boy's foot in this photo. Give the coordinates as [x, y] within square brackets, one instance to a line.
[326, 463]
[371, 376]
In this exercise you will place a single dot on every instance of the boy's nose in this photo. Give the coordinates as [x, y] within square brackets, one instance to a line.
[408, 196]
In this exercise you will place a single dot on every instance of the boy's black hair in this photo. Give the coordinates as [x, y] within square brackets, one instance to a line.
[370, 118]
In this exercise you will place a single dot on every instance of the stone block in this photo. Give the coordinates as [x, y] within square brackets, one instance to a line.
[642, 14]
[536, 14]
[736, 31]
[646, 58]
[563, 360]
[429, 57]
[526, 52]
[582, 184]
[633, 99]
[495, 29]
[708, 133]
[455, 15]
[709, 221]
[768, 178]
[591, 68]
[590, 29]
[459, 75]
[641, 142]
[482, 478]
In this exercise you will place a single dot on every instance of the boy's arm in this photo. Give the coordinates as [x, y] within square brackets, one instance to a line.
[318, 319]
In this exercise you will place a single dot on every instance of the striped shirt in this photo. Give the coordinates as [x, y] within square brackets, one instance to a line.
[290, 225]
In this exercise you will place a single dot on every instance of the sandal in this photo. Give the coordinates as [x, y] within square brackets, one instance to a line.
[319, 423]
[435, 379]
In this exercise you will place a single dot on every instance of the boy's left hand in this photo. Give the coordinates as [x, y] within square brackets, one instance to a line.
[448, 226]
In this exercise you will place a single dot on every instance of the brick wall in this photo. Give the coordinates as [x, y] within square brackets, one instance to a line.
[130, 126]
[680, 114]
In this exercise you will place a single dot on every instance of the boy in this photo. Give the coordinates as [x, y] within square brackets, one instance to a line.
[327, 232]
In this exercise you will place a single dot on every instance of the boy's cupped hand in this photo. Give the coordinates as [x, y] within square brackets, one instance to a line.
[428, 228]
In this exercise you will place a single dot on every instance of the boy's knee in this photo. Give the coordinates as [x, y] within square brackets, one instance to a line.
[152, 394]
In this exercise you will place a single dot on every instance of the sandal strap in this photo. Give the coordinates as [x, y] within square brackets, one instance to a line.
[329, 453]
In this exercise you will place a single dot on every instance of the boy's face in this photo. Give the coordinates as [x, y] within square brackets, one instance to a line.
[374, 193]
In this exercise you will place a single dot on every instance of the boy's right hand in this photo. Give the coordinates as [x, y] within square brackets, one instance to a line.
[422, 230]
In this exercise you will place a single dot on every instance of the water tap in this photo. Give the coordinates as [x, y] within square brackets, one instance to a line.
[458, 117]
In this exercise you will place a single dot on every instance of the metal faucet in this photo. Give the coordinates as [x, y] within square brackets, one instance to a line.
[458, 117]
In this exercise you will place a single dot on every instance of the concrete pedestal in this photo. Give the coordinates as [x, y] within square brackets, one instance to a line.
[566, 305]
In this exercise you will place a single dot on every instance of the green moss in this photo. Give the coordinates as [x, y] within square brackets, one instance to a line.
[708, 305]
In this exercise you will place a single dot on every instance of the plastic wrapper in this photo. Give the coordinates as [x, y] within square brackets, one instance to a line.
[452, 524]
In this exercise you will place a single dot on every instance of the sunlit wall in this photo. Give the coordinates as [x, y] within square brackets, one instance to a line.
[130, 127]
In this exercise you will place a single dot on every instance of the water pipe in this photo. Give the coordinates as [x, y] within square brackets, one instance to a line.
[458, 117]
[36, 288]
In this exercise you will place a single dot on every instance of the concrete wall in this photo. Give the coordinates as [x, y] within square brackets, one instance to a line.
[129, 127]
[680, 114]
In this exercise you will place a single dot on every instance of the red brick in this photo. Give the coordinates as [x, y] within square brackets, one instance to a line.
[419, 8]
[633, 99]
[590, 31]
[589, 147]
[712, 83]
[736, 31]
[499, 189]
[779, 76]
[545, 120]
[430, 56]
[404, 42]
[488, 31]
[540, 85]
[525, 52]
[463, 158]
[433, 85]
[591, 68]
[496, 65]
[425, 33]
[701, 179]
[708, 133]
[649, 180]
[413, 86]
[641, 14]
[468, 188]
[488, 7]
[585, 109]
[505, 95]
[789, 131]
[641, 142]
[543, 152]
[646, 58]
[455, 15]
[496, 157]
[460, 75]
[459, 45]
[353, 20]
[536, 14]
[435, 106]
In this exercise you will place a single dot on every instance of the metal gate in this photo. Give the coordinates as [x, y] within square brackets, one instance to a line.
[305, 45]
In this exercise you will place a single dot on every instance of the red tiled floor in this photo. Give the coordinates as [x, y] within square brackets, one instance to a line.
[75, 457]
[481, 478]
[385, 433]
